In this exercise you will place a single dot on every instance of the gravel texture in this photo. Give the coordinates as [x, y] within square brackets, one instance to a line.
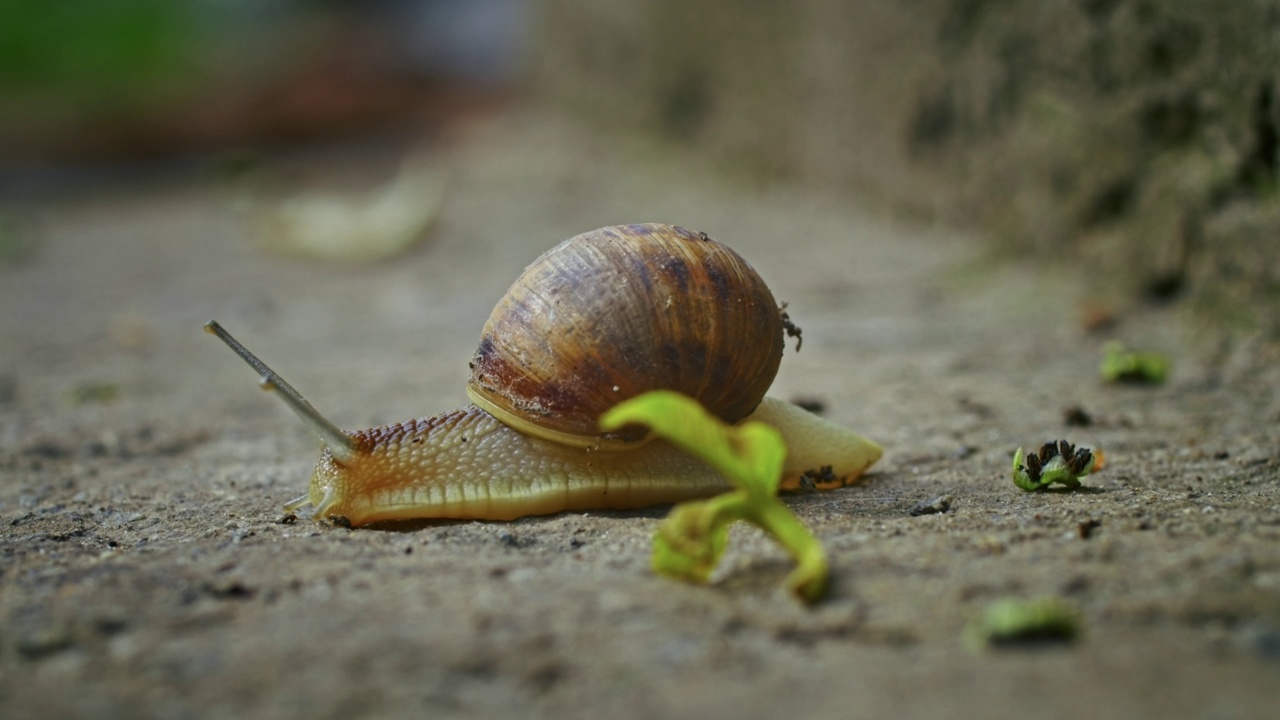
[148, 570]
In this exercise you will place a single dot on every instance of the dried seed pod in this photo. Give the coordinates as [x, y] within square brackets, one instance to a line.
[1033, 467]
[1081, 460]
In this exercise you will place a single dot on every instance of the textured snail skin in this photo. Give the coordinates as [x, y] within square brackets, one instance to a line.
[466, 464]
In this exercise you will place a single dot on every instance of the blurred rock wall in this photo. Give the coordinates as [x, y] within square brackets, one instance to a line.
[1138, 138]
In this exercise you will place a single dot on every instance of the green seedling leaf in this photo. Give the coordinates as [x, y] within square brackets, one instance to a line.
[1122, 365]
[1056, 462]
[93, 392]
[690, 542]
[1011, 621]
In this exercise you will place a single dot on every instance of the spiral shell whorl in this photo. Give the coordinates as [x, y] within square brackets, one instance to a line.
[613, 313]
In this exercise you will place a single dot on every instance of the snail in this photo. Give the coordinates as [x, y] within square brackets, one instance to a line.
[600, 318]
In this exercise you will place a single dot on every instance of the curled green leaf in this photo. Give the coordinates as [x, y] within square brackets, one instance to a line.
[692, 539]
[689, 544]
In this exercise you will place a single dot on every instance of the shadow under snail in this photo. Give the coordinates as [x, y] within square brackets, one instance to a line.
[600, 318]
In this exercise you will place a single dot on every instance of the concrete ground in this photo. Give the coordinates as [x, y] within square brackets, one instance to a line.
[147, 572]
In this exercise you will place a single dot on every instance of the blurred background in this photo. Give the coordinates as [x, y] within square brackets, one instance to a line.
[1134, 144]
[93, 86]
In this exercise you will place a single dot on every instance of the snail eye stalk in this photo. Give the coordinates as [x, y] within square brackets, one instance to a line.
[339, 443]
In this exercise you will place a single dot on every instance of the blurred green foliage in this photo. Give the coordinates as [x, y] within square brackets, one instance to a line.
[1012, 621]
[1119, 364]
[60, 56]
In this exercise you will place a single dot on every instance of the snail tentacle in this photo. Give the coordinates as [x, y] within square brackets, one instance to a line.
[297, 502]
[333, 437]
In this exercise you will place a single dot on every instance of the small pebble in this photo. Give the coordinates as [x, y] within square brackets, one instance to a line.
[940, 504]
[512, 540]
[1076, 416]
[1265, 642]
[1085, 529]
[40, 642]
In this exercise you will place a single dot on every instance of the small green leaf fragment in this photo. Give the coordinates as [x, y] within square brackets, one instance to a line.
[93, 392]
[690, 542]
[1058, 463]
[1130, 366]
[1011, 621]
[1021, 477]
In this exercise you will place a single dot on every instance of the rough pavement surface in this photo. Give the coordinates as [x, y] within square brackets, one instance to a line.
[147, 571]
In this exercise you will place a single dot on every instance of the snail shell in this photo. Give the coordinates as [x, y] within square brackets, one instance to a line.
[610, 314]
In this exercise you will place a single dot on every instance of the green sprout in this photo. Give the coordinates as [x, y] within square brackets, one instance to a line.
[690, 542]
[1013, 620]
[93, 392]
[1056, 462]
[1122, 365]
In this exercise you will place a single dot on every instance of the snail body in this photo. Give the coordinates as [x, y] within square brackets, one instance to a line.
[600, 318]
[467, 464]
